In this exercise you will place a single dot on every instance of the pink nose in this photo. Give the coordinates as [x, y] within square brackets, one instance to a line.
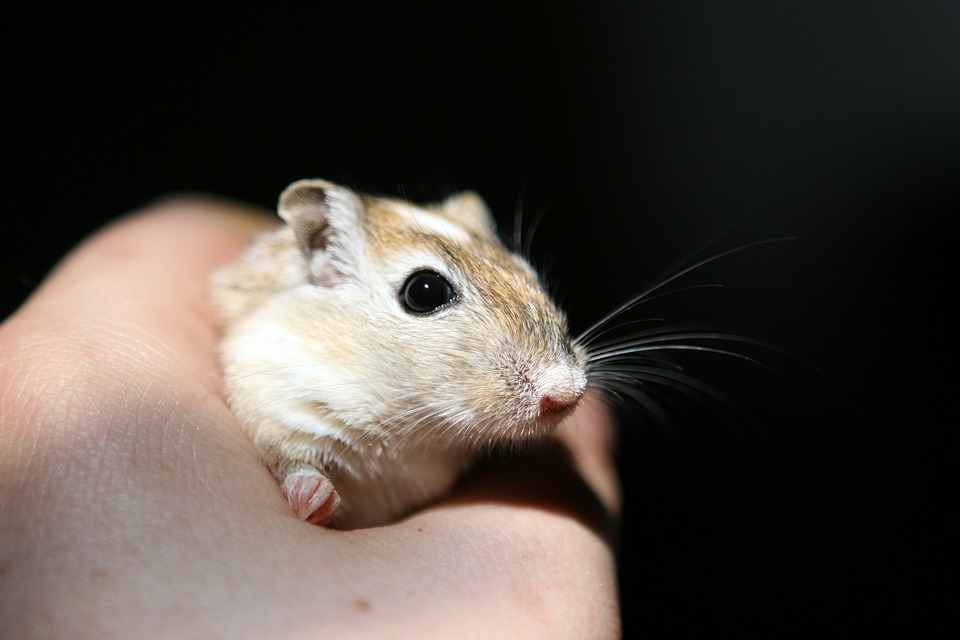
[556, 401]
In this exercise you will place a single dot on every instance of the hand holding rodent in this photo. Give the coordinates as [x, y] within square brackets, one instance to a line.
[134, 506]
[375, 349]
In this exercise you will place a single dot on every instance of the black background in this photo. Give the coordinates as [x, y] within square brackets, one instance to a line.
[642, 129]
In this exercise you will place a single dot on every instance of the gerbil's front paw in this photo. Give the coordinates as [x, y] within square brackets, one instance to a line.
[311, 496]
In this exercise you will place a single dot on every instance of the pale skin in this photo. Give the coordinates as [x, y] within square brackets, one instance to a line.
[133, 506]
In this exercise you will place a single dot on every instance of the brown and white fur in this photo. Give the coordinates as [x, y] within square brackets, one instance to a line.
[363, 408]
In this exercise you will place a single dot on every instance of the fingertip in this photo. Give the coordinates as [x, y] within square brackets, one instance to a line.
[241, 220]
[590, 436]
[169, 245]
[142, 283]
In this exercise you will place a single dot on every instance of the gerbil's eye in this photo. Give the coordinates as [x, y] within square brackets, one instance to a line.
[425, 292]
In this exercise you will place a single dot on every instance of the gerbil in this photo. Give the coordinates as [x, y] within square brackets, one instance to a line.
[373, 349]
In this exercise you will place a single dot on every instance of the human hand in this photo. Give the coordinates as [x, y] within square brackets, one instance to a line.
[133, 506]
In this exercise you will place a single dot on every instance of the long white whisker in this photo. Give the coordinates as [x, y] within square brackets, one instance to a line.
[537, 219]
[644, 341]
[518, 218]
[712, 398]
[682, 383]
[633, 301]
[619, 354]
[629, 396]
[596, 331]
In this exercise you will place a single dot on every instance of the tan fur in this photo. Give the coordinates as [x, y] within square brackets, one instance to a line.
[328, 371]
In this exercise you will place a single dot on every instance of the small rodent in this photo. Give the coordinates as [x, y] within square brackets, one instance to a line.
[373, 349]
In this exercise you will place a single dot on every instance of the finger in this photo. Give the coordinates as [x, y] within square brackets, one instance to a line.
[105, 366]
[590, 437]
[128, 308]
[572, 475]
[144, 279]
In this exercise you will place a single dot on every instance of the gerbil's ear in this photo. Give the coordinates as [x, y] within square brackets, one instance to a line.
[325, 219]
[468, 209]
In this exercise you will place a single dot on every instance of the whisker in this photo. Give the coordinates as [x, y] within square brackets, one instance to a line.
[265, 371]
[709, 396]
[639, 341]
[650, 298]
[300, 365]
[630, 397]
[654, 331]
[583, 339]
[679, 273]
[627, 351]
[603, 364]
[537, 219]
[518, 218]
[617, 327]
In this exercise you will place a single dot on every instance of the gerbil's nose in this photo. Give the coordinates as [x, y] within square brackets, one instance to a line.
[562, 389]
[556, 402]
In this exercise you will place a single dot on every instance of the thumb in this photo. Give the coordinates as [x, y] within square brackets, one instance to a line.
[137, 286]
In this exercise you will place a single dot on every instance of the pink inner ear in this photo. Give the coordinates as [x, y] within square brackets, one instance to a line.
[323, 269]
[319, 236]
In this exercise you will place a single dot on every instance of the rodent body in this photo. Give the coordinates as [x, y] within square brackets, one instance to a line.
[373, 349]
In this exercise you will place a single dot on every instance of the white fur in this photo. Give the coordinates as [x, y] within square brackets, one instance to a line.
[434, 223]
[329, 374]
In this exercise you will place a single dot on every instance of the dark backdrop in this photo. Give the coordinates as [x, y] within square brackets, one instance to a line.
[642, 129]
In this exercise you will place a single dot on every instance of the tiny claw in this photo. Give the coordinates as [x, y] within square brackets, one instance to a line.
[311, 496]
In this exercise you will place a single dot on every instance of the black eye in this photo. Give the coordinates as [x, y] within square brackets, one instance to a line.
[426, 291]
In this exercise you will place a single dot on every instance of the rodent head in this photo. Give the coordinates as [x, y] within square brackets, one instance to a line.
[434, 330]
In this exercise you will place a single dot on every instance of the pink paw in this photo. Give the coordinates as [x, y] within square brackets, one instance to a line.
[311, 496]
